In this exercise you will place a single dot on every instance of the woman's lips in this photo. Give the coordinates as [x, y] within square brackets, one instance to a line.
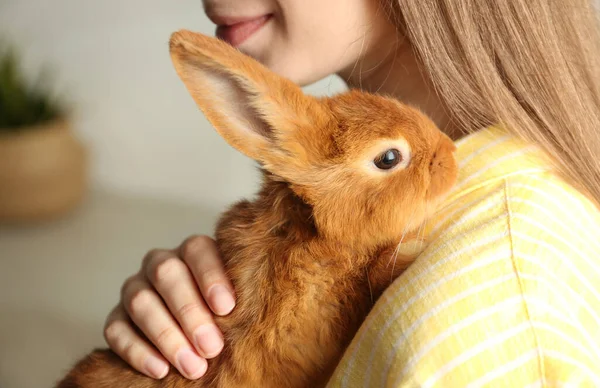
[235, 32]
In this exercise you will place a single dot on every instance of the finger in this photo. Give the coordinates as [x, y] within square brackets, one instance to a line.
[147, 310]
[202, 257]
[131, 347]
[174, 282]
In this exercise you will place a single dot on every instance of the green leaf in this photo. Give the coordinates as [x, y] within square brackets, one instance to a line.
[22, 103]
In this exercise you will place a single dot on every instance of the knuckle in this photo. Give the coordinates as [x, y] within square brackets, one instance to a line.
[113, 331]
[188, 309]
[139, 301]
[129, 284]
[165, 337]
[166, 269]
[149, 257]
[196, 245]
[128, 350]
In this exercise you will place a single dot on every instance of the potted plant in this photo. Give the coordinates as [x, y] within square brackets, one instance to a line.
[42, 164]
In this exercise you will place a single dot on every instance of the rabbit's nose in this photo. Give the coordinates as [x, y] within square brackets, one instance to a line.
[446, 145]
[444, 152]
[443, 168]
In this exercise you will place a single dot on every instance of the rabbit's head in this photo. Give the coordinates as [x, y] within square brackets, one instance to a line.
[371, 168]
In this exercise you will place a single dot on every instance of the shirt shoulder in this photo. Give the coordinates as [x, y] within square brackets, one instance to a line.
[506, 291]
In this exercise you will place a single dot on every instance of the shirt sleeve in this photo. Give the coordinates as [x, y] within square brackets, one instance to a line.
[495, 300]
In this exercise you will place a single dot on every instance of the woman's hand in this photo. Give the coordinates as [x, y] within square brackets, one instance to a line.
[170, 303]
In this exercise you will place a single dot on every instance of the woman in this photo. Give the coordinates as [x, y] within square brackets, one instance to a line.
[508, 288]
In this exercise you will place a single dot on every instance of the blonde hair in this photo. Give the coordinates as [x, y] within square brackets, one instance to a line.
[529, 65]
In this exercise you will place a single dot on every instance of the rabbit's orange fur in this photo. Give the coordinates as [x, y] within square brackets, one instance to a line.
[310, 255]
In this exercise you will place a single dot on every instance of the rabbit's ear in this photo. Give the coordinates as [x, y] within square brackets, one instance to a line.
[264, 116]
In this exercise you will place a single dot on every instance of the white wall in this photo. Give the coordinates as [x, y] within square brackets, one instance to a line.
[145, 133]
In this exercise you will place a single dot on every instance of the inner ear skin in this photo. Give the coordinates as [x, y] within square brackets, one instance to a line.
[236, 104]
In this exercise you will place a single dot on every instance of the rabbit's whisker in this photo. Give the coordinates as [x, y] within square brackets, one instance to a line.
[394, 257]
[370, 288]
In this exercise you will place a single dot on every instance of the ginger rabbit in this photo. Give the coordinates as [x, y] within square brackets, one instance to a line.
[345, 180]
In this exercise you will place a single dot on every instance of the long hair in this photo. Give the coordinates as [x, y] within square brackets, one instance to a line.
[532, 66]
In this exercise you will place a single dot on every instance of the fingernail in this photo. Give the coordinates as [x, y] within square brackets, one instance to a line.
[221, 299]
[209, 340]
[156, 367]
[192, 365]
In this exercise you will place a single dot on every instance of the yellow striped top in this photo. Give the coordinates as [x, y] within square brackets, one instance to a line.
[507, 293]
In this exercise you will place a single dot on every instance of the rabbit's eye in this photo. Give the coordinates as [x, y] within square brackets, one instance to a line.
[388, 159]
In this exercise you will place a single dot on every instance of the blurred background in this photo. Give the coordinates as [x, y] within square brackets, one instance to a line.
[121, 163]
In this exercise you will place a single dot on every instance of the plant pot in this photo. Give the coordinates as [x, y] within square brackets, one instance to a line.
[43, 172]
